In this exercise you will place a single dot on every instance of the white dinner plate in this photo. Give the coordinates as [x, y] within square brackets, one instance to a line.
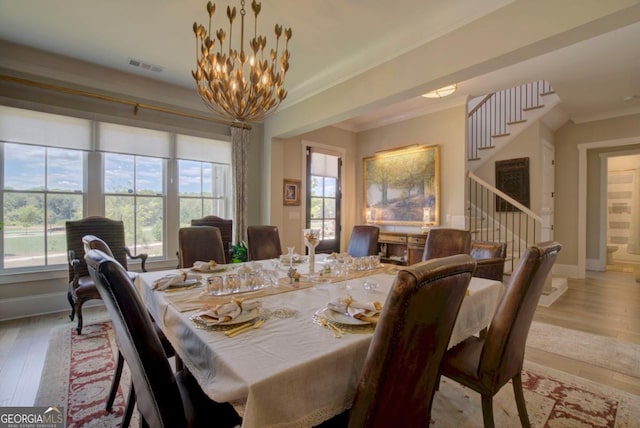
[243, 317]
[214, 270]
[185, 283]
[342, 318]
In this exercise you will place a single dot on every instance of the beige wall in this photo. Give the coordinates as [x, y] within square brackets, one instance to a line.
[568, 138]
[288, 161]
[445, 128]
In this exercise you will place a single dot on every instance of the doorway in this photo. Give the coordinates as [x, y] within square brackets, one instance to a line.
[324, 197]
[623, 212]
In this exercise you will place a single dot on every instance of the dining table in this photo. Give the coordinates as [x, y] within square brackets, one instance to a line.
[300, 364]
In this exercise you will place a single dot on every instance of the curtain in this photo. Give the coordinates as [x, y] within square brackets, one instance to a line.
[239, 143]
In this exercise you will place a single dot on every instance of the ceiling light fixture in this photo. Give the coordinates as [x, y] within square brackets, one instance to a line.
[442, 92]
[242, 86]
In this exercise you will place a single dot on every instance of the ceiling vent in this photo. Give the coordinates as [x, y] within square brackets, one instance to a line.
[145, 65]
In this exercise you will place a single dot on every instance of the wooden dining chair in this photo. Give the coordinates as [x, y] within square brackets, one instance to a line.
[363, 241]
[490, 257]
[399, 377]
[91, 242]
[443, 242]
[486, 363]
[81, 286]
[263, 242]
[199, 243]
[163, 398]
[226, 231]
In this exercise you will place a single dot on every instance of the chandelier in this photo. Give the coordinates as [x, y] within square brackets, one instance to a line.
[242, 84]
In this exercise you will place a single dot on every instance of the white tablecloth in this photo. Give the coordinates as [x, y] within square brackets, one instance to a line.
[291, 372]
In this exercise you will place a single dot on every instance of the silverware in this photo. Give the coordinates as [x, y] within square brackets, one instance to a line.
[245, 327]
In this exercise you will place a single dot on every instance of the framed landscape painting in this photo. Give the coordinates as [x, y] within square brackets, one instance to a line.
[402, 186]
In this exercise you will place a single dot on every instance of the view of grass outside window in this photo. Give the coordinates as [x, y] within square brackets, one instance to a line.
[323, 205]
[134, 193]
[42, 189]
[202, 189]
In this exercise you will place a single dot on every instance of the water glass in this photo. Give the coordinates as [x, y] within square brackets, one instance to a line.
[215, 285]
[232, 283]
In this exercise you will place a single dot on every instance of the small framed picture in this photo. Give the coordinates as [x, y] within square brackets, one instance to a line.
[291, 192]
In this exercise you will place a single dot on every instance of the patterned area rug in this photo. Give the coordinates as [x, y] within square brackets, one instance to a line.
[78, 372]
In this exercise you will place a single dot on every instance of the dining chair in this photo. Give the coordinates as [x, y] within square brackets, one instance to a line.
[81, 286]
[363, 241]
[199, 243]
[490, 257]
[399, 377]
[226, 231]
[263, 242]
[486, 363]
[92, 242]
[163, 398]
[443, 242]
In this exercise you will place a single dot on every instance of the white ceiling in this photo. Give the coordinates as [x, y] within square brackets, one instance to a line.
[333, 40]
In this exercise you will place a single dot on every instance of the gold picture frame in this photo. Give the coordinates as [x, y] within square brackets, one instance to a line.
[291, 192]
[402, 186]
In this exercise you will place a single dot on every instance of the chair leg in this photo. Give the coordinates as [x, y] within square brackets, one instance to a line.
[522, 406]
[79, 314]
[128, 411]
[179, 363]
[73, 305]
[115, 382]
[487, 411]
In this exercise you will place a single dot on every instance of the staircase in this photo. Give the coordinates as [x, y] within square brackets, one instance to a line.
[494, 121]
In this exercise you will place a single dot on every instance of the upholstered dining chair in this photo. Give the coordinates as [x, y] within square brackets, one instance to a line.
[490, 257]
[400, 373]
[81, 286]
[443, 242]
[91, 242]
[226, 231]
[363, 241]
[263, 242]
[199, 243]
[164, 398]
[486, 363]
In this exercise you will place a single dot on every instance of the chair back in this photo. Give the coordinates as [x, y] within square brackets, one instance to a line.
[364, 241]
[491, 257]
[503, 352]
[400, 372]
[443, 242]
[226, 231]
[263, 242]
[109, 231]
[488, 249]
[199, 243]
[157, 395]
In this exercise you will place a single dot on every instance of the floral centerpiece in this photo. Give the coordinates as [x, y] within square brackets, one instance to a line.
[311, 240]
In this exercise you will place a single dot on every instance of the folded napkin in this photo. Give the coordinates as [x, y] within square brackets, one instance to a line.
[168, 280]
[204, 266]
[225, 312]
[359, 310]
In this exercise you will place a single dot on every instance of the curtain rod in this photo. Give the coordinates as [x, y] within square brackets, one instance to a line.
[136, 105]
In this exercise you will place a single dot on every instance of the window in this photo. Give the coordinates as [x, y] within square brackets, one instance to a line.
[134, 193]
[202, 189]
[42, 189]
[323, 203]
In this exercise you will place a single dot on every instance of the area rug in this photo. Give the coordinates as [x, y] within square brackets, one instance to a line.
[77, 375]
[600, 351]
[78, 372]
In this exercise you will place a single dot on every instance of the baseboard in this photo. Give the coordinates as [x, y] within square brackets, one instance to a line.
[558, 287]
[595, 265]
[40, 304]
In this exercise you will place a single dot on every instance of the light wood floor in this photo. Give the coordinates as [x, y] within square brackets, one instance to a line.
[606, 304]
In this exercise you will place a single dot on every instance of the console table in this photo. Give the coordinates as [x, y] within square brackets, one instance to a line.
[401, 248]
